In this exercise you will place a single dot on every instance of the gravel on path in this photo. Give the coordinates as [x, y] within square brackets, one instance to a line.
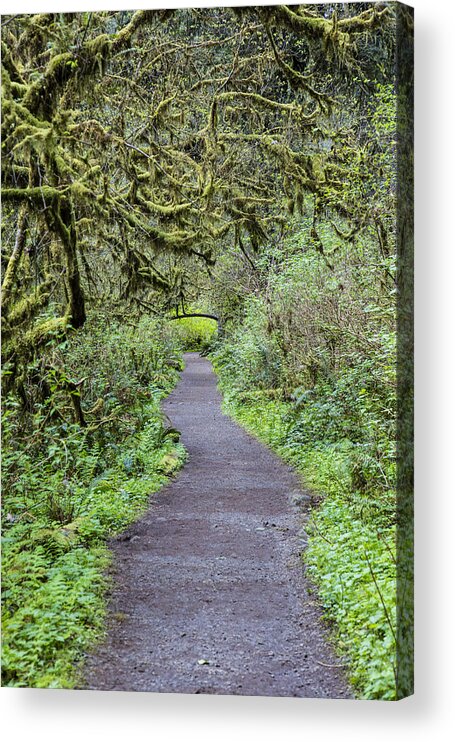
[209, 593]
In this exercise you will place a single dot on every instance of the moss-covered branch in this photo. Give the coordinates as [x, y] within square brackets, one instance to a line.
[296, 79]
[16, 255]
[43, 95]
[292, 108]
[298, 18]
[40, 195]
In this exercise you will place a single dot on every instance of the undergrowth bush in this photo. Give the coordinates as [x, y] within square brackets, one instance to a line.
[68, 486]
[194, 334]
[350, 556]
[309, 367]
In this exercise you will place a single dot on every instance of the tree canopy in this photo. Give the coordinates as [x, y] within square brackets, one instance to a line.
[138, 146]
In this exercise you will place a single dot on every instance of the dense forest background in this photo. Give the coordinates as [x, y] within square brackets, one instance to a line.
[235, 163]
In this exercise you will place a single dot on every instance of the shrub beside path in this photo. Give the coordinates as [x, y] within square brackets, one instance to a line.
[209, 594]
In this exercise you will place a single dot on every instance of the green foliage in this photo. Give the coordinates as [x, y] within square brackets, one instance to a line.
[309, 367]
[195, 333]
[353, 566]
[255, 361]
[53, 610]
[126, 358]
[351, 549]
[100, 204]
[68, 487]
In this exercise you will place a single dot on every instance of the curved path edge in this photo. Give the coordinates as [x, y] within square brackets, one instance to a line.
[209, 594]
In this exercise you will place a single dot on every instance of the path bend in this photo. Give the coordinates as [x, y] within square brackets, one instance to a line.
[209, 592]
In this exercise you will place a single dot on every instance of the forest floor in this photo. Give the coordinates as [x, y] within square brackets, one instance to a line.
[208, 589]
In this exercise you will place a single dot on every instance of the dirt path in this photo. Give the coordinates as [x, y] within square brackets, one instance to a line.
[212, 572]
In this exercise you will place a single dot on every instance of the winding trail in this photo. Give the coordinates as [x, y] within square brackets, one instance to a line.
[212, 572]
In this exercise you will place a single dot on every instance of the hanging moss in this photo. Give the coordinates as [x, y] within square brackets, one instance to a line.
[93, 129]
[96, 53]
[139, 18]
[298, 80]
[162, 107]
[35, 34]
[10, 71]
[123, 174]
[42, 95]
[209, 189]
[299, 201]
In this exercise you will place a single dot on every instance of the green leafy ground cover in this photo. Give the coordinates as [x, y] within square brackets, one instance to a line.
[68, 487]
[349, 558]
[336, 431]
